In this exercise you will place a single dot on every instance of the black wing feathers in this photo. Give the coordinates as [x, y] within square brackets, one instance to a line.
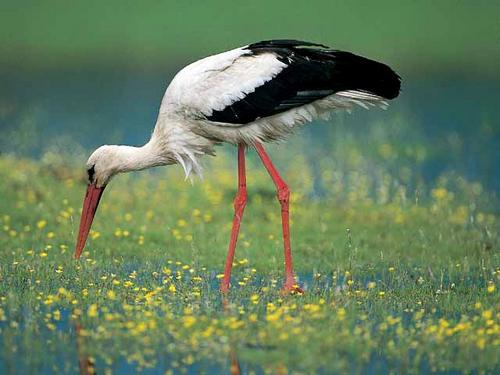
[284, 43]
[311, 74]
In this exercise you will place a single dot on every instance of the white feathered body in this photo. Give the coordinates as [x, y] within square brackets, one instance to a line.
[184, 127]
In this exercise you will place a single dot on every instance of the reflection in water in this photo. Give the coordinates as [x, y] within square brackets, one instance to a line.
[235, 364]
[235, 368]
[86, 364]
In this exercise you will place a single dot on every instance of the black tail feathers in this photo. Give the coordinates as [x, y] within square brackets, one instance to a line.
[354, 72]
[313, 66]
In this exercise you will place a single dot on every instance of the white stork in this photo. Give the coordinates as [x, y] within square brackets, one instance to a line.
[247, 96]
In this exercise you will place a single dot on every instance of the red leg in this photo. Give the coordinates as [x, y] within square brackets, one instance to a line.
[240, 202]
[284, 199]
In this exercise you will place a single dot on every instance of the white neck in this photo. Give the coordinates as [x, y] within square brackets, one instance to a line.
[171, 143]
[130, 158]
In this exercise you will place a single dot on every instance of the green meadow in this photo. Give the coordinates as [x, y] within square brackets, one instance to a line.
[399, 275]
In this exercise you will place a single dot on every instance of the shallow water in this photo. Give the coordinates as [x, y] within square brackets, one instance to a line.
[63, 349]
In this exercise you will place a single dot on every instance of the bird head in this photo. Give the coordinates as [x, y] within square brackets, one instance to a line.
[101, 166]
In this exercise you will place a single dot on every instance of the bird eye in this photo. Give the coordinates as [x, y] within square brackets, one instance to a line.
[91, 172]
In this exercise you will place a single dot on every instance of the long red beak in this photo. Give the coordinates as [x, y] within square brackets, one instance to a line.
[90, 203]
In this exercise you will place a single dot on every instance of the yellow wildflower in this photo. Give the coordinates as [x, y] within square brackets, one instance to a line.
[111, 294]
[487, 314]
[439, 193]
[491, 287]
[92, 311]
[188, 321]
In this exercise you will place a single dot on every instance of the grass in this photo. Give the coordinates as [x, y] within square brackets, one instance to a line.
[396, 279]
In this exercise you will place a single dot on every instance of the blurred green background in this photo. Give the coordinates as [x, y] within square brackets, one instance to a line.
[421, 36]
[75, 75]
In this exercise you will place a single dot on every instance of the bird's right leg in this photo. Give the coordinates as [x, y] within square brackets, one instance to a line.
[240, 202]
[283, 193]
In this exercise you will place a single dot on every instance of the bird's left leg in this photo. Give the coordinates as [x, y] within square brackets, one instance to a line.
[240, 202]
[284, 199]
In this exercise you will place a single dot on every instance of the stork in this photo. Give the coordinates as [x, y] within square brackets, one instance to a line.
[246, 96]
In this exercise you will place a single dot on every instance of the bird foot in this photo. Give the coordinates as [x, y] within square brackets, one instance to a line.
[291, 287]
[224, 288]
